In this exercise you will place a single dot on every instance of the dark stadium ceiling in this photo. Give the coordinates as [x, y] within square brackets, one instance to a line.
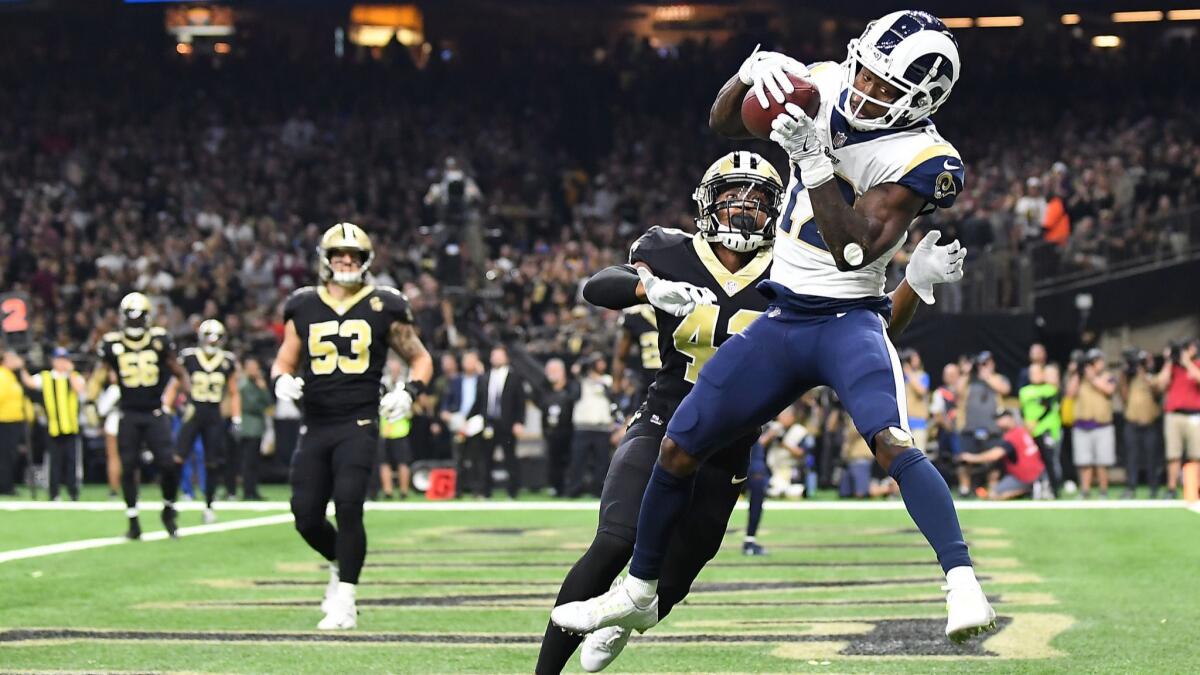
[859, 8]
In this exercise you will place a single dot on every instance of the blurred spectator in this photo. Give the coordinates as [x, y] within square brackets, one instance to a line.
[592, 419]
[1030, 211]
[1180, 379]
[916, 385]
[501, 401]
[1140, 403]
[944, 411]
[61, 389]
[980, 392]
[12, 420]
[786, 442]
[1032, 374]
[1042, 411]
[256, 400]
[1093, 437]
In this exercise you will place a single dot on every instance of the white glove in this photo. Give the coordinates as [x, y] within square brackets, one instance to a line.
[767, 72]
[289, 388]
[674, 297]
[800, 137]
[396, 404]
[931, 264]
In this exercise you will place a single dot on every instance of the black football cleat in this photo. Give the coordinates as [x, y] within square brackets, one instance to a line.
[135, 530]
[168, 518]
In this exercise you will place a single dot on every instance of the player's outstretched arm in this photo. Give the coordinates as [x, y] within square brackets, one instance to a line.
[616, 287]
[178, 371]
[725, 117]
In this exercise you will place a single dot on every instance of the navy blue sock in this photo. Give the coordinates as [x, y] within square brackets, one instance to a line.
[928, 501]
[758, 494]
[663, 503]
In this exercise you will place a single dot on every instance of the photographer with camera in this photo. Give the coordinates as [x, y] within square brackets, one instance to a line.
[1180, 379]
[1093, 437]
[980, 390]
[1140, 402]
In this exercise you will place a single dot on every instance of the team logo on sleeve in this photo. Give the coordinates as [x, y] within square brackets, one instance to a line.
[377, 304]
[944, 186]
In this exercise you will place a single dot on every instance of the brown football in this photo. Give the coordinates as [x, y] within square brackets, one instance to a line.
[758, 120]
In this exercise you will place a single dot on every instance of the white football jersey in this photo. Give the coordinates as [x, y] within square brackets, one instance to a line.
[916, 157]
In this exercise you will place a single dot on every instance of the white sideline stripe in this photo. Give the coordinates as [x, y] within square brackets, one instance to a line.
[593, 505]
[1195, 508]
[84, 544]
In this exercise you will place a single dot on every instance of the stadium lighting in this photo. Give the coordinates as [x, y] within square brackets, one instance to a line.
[1106, 41]
[959, 22]
[1184, 15]
[183, 48]
[1133, 17]
[1071, 19]
[999, 21]
[222, 48]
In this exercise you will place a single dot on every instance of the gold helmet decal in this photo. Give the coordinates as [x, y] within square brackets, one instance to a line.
[212, 334]
[345, 237]
[742, 222]
[135, 314]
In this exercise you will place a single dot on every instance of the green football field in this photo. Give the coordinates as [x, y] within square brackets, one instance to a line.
[469, 590]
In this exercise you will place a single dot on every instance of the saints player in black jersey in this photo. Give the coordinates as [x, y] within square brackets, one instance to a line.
[214, 375]
[140, 358]
[335, 345]
[638, 327]
[703, 289]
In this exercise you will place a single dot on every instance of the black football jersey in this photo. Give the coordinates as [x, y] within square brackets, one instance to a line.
[140, 365]
[641, 325]
[210, 375]
[344, 348]
[685, 344]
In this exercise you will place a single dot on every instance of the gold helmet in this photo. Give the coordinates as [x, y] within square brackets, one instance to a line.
[345, 237]
[135, 314]
[212, 334]
[741, 230]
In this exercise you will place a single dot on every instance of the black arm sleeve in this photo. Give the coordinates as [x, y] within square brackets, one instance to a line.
[613, 287]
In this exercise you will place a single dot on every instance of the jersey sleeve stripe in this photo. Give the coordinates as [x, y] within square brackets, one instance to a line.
[929, 153]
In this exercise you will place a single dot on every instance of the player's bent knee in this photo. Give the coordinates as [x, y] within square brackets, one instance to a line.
[890, 444]
[675, 460]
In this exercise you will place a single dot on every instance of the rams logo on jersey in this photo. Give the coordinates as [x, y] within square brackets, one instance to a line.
[944, 185]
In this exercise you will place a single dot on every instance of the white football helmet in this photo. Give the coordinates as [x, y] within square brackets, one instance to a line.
[135, 315]
[212, 335]
[741, 232]
[912, 51]
[345, 237]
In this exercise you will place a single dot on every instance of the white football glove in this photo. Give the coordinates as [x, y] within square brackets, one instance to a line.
[674, 297]
[800, 137]
[931, 264]
[289, 388]
[396, 404]
[767, 72]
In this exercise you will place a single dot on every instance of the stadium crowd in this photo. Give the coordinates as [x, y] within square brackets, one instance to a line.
[497, 178]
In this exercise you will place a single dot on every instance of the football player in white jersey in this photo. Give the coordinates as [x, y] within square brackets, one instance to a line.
[863, 169]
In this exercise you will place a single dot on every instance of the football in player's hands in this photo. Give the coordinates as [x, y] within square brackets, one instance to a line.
[758, 119]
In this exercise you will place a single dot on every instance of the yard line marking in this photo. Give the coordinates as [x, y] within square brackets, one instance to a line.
[85, 544]
[592, 505]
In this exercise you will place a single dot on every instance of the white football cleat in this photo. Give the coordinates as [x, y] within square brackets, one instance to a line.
[970, 613]
[342, 614]
[603, 647]
[330, 589]
[209, 517]
[614, 608]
